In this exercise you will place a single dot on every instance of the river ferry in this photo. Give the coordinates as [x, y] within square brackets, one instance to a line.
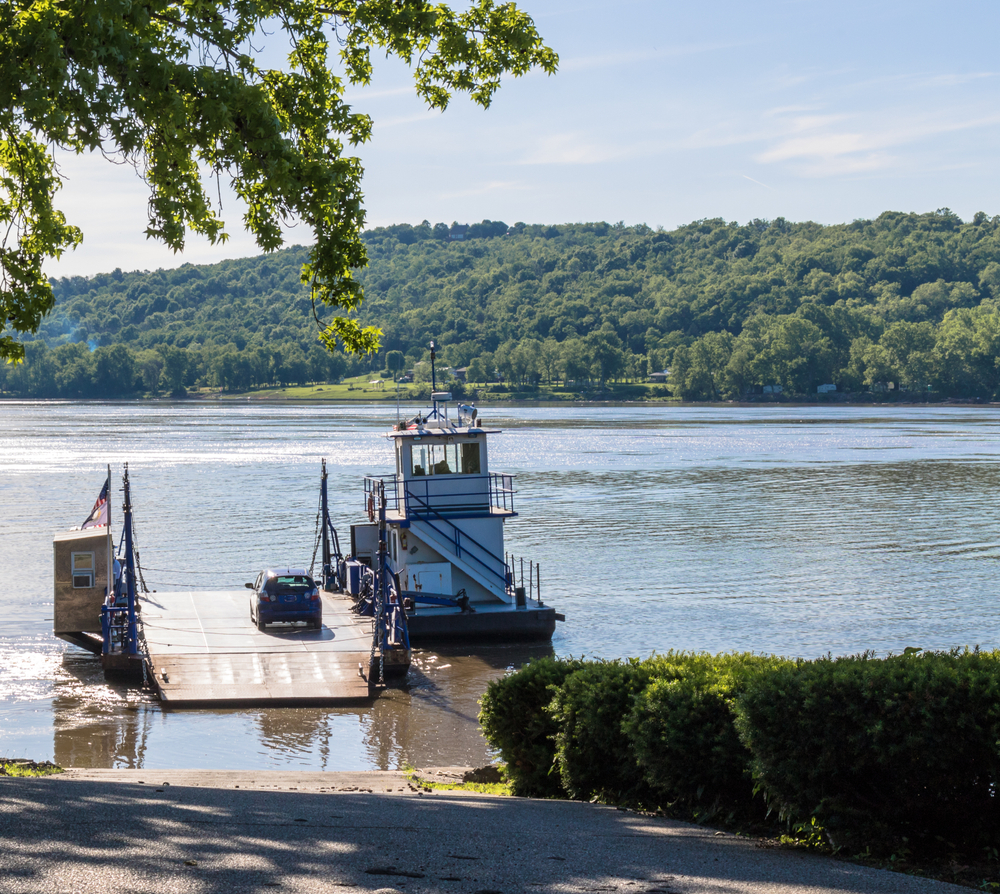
[438, 524]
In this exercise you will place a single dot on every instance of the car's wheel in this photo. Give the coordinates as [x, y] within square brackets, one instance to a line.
[260, 624]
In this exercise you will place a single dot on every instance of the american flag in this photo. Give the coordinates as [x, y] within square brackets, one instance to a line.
[99, 514]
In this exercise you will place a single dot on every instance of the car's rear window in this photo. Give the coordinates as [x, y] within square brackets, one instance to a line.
[287, 583]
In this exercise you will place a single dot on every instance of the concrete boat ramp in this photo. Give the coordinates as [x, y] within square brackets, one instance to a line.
[251, 831]
[203, 650]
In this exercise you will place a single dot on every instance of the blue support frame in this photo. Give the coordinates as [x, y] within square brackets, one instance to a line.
[334, 567]
[385, 602]
[119, 621]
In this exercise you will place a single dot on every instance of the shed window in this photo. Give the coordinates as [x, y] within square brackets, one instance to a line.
[83, 570]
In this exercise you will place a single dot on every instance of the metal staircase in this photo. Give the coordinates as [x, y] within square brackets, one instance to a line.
[464, 552]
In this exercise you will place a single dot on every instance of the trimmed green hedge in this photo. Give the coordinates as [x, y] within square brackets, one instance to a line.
[886, 754]
[882, 750]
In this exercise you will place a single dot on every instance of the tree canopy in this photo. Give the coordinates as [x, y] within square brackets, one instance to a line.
[174, 88]
[907, 300]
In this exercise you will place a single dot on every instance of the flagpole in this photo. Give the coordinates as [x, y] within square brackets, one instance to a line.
[111, 542]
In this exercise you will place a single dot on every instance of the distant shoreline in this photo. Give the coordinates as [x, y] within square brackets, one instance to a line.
[265, 397]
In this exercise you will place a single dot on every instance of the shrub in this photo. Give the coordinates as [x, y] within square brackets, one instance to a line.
[888, 753]
[683, 733]
[515, 722]
[593, 753]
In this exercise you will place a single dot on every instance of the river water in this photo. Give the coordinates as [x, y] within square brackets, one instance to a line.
[798, 531]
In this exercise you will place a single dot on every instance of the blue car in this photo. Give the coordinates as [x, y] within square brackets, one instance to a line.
[285, 594]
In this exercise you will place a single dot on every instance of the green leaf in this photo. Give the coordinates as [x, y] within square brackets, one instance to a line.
[172, 86]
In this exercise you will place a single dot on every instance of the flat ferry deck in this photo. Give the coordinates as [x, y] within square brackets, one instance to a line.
[204, 650]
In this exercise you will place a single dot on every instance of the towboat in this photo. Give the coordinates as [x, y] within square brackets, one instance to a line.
[437, 525]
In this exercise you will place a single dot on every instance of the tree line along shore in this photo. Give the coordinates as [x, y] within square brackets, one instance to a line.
[902, 306]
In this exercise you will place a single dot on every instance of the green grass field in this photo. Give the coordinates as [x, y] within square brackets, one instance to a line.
[360, 388]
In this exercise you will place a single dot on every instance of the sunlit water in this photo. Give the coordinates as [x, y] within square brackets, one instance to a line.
[788, 530]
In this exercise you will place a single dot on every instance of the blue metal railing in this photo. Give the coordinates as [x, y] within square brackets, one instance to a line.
[380, 598]
[449, 495]
[502, 492]
[119, 623]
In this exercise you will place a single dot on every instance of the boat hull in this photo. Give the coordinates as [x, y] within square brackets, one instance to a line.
[504, 625]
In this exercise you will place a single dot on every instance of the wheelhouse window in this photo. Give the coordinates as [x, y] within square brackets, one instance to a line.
[435, 459]
[445, 459]
[83, 571]
[419, 457]
[470, 459]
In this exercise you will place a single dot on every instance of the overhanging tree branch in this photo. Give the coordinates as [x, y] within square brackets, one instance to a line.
[119, 76]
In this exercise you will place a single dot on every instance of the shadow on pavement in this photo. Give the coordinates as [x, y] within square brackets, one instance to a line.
[64, 835]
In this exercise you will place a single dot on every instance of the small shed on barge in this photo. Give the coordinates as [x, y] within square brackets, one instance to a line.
[81, 585]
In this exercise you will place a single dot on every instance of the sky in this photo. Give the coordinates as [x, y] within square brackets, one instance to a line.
[662, 112]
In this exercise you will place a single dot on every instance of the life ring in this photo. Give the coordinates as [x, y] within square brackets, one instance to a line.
[371, 507]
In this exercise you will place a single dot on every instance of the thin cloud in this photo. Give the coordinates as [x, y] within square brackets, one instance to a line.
[486, 188]
[609, 60]
[406, 119]
[845, 166]
[831, 83]
[572, 149]
[819, 150]
[821, 145]
[725, 134]
[801, 123]
[358, 93]
[787, 110]
[784, 79]
[745, 177]
[958, 80]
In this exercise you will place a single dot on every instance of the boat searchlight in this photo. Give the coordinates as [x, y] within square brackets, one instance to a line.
[467, 414]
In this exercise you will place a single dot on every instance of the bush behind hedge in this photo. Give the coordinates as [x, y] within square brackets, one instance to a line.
[885, 753]
[515, 721]
[593, 753]
[683, 732]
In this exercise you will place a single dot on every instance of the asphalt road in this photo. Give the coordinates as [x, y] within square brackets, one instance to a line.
[104, 832]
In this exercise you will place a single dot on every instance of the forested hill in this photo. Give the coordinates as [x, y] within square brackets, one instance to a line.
[907, 298]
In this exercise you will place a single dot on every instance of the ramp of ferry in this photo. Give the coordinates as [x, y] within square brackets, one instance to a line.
[203, 650]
